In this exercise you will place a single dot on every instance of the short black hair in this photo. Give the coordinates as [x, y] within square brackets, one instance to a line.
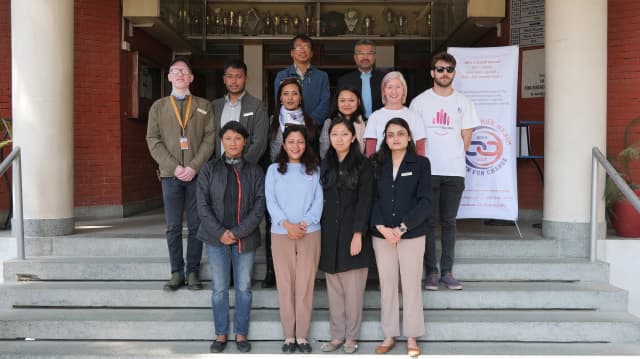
[302, 37]
[235, 64]
[234, 126]
[364, 42]
[181, 59]
[443, 56]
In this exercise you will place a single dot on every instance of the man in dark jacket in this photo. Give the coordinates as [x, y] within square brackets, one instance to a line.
[366, 78]
[239, 105]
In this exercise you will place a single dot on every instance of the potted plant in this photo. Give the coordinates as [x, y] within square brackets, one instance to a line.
[622, 215]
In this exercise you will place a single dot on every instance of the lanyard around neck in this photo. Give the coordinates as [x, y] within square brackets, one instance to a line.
[183, 124]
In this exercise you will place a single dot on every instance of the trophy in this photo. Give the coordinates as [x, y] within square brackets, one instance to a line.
[232, 22]
[195, 24]
[402, 24]
[240, 23]
[217, 20]
[276, 24]
[252, 21]
[308, 17]
[296, 24]
[367, 25]
[267, 24]
[388, 17]
[351, 19]
[225, 24]
[285, 24]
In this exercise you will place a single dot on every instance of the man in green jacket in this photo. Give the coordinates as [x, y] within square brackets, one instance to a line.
[180, 136]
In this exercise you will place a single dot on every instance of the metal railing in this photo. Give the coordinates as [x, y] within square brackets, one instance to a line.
[14, 159]
[598, 157]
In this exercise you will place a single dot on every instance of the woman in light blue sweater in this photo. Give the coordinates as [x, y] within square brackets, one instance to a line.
[294, 200]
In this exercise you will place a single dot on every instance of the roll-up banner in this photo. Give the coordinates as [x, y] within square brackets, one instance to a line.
[489, 77]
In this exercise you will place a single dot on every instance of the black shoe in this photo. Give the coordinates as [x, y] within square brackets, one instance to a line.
[217, 346]
[289, 348]
[193, 281]
[176, 281]
[243, 346]
[269, 279]
[304, 348]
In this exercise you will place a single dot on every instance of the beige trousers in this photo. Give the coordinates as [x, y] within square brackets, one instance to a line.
[295, 263]
[346, 295]
[404, 257]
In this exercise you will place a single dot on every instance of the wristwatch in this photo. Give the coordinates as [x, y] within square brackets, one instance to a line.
[403, 228]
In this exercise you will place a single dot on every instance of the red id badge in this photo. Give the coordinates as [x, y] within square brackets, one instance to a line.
[184, 143]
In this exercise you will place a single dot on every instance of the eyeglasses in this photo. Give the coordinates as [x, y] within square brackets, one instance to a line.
[372, 53]
[236, 76]
[177, 71]
[302, 48]
[440, 69]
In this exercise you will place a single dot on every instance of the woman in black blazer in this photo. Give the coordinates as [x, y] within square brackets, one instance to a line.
[402, 203]
[347, 183]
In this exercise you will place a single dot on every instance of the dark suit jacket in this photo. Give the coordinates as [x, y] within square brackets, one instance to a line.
[353, 79]
[406, 199]
[254, 118]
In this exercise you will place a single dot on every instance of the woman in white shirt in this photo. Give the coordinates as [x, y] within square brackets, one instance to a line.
[394, 95]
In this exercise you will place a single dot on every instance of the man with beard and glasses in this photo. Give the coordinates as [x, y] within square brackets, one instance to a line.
[238, 105]
[449, 118]
[367, 78]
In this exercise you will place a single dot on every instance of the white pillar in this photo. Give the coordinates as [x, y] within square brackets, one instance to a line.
[42, 108]
[575, 115]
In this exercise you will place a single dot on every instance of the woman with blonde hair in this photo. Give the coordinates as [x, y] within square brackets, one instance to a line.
[394, 96]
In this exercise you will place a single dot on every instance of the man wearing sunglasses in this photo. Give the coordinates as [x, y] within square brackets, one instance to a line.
[180, 136]
[449, 118]
[314, 82]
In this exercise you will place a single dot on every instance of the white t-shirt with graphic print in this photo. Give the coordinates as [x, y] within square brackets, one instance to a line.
[444, 118]
[379, 118]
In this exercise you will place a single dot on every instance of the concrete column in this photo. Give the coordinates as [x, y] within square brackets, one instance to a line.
[253, 60]
[42, 106]
[575, 115]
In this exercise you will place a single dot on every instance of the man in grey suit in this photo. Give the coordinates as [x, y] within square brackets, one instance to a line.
[239, 105]
[367, 78]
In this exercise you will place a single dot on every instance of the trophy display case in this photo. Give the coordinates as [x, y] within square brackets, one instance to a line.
[321, 19]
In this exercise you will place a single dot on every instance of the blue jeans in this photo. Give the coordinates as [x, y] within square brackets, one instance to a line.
[179, 197]
[446, 192]
[221, 258]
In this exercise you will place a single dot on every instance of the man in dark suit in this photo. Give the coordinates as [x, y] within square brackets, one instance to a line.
[239, 105]
[366, 78]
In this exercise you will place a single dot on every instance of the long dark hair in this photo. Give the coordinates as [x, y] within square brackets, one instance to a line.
[358, 115]
[275, 121]
[308, 159]
[385, 152]
[345, 174]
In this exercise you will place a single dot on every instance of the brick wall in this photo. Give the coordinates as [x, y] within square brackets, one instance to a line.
[97, 133]
[139, 180]
[5, 86]
[5, 59]
[623, 82]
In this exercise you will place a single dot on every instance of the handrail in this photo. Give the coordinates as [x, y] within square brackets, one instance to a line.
[14, 156]
[598, 157]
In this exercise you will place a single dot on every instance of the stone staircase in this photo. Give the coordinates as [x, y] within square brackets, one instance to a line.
[99, 294]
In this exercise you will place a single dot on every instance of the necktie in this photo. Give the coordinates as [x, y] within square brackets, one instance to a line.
[366, 93]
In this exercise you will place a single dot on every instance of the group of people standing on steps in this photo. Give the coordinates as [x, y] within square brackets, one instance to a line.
[341, 181]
